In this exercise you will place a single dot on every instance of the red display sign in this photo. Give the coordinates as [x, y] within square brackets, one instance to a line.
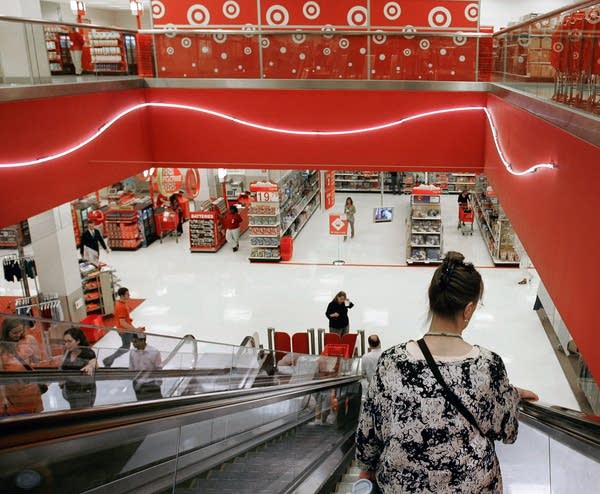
[265, 191]
[192, 183]
[329, 190]
[169, 180]
[338, 224]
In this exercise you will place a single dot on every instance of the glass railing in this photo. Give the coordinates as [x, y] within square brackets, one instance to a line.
[554, 56]
[39, 374]
[69, 52]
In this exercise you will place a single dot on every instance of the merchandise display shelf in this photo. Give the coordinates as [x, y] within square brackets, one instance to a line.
[301, 208]
[206, 228]
[425, 205]
[309, 214]
[496, 230]
[98, 287]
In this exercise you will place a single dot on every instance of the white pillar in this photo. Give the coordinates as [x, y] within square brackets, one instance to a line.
[23, 55]
[56, 259]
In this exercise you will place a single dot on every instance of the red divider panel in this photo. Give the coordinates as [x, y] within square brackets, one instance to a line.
[350, 340]
[283, 344]
[300, 343]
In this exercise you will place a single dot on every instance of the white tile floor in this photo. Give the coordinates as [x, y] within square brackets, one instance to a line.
[222, 297]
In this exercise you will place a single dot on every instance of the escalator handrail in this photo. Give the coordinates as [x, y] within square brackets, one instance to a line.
[581, 431]
[27, 430]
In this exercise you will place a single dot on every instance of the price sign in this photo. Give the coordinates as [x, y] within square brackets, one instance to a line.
[267, 196]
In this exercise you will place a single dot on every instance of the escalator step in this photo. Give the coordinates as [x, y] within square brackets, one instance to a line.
[344, 487]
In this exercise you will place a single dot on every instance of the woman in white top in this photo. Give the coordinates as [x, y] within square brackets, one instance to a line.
[413, 436]
[350, 211]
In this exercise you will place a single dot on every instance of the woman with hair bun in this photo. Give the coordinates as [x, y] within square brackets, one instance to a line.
[435, 406]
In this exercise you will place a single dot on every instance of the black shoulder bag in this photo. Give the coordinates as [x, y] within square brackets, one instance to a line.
[448, 393]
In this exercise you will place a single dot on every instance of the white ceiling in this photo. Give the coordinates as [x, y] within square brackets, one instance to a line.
[106, 4]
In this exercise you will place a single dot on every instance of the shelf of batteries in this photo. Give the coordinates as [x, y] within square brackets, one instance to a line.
[107, 51]
[265, 231]
[207, 233]
[496, 230]
[425, 229]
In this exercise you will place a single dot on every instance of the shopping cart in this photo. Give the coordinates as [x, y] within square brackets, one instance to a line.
[466, 217]
[166, 223]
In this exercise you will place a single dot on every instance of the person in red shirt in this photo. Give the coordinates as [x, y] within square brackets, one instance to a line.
[233, 220]
[76, 49]
[123, 324]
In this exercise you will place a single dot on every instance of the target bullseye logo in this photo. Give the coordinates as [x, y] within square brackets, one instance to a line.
[357, 16]
[344, 43]
[379, 39]
[265, 42]
[459, 39]
[158, 9]
[424, 44]
[170, 50]
[392, 11]
[558, 47]
[311, 10]
[247, 50]
[409, 29]
[439, 17]
[299, 38]
[472, 12]
[186, 42]
[593, 15]
[198, 15]
[524, 40]
[277, 15]
[231, 9]
[249, 30]
[326, 51]
[220, 38]
[407, 52]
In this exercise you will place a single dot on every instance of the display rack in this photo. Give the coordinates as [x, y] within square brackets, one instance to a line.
[304, 199]
[457, 182]
[57, 50]
[122, 229]
[13, 236]
[98, 289]
[425, 229]
[265, 222]
[107, 51]
[207, 233]
[352, 181]
[146, 223]
[496, 230]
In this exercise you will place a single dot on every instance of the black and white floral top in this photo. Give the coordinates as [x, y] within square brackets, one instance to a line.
[417, 442]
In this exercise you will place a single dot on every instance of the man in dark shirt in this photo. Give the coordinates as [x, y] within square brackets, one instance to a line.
[91, 240]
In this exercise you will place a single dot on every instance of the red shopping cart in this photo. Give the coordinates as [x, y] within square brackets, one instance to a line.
[466, 217]
[166, 223]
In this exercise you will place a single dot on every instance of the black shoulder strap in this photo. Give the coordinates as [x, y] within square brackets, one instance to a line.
[23, 363]
[448, 393]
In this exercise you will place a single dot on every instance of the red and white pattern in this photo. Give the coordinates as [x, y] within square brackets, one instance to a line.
[329, 55]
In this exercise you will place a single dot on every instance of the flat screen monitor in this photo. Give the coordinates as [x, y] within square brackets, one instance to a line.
[382, 215]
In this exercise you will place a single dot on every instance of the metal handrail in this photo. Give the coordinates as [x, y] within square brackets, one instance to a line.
[29, 20]
[372, 31]
[561, 10]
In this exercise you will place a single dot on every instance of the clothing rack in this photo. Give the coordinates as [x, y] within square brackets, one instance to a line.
[26, 269]
[46, 306]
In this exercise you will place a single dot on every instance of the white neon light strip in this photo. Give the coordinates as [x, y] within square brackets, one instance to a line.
[267, 128]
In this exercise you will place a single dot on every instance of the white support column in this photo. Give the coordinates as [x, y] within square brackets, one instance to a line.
[56, 259]
[23, 55]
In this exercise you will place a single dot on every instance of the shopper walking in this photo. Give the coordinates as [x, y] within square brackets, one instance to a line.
[337, 313]
[370, 359]
[233, 220]
[463, 202]
[145, 359]
[395, 183]
[350, 211]
[18, 352]
[176, 207]
[76, 49]
[91, 240]
[124, 326]
[79, 391]
[455, 398]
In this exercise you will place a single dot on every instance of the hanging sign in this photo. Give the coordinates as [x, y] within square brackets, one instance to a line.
[338, 224]
[169, 180]
[329, 190]
[192, 183]
[265, 191]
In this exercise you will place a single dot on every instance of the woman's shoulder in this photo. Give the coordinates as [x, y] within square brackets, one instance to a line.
[397, 352]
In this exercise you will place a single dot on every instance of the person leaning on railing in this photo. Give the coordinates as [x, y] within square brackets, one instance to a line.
[435, 407]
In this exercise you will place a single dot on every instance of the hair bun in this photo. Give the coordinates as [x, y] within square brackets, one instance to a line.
[453, 257]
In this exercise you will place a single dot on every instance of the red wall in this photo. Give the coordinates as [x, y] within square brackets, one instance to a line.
[555, 213]
[452, 141]
[36, 128]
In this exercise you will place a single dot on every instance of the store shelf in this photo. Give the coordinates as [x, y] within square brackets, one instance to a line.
[300, 211]
[428, 218]
[265, 225]
[309, 216]
[425, 233]
[426, 246]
